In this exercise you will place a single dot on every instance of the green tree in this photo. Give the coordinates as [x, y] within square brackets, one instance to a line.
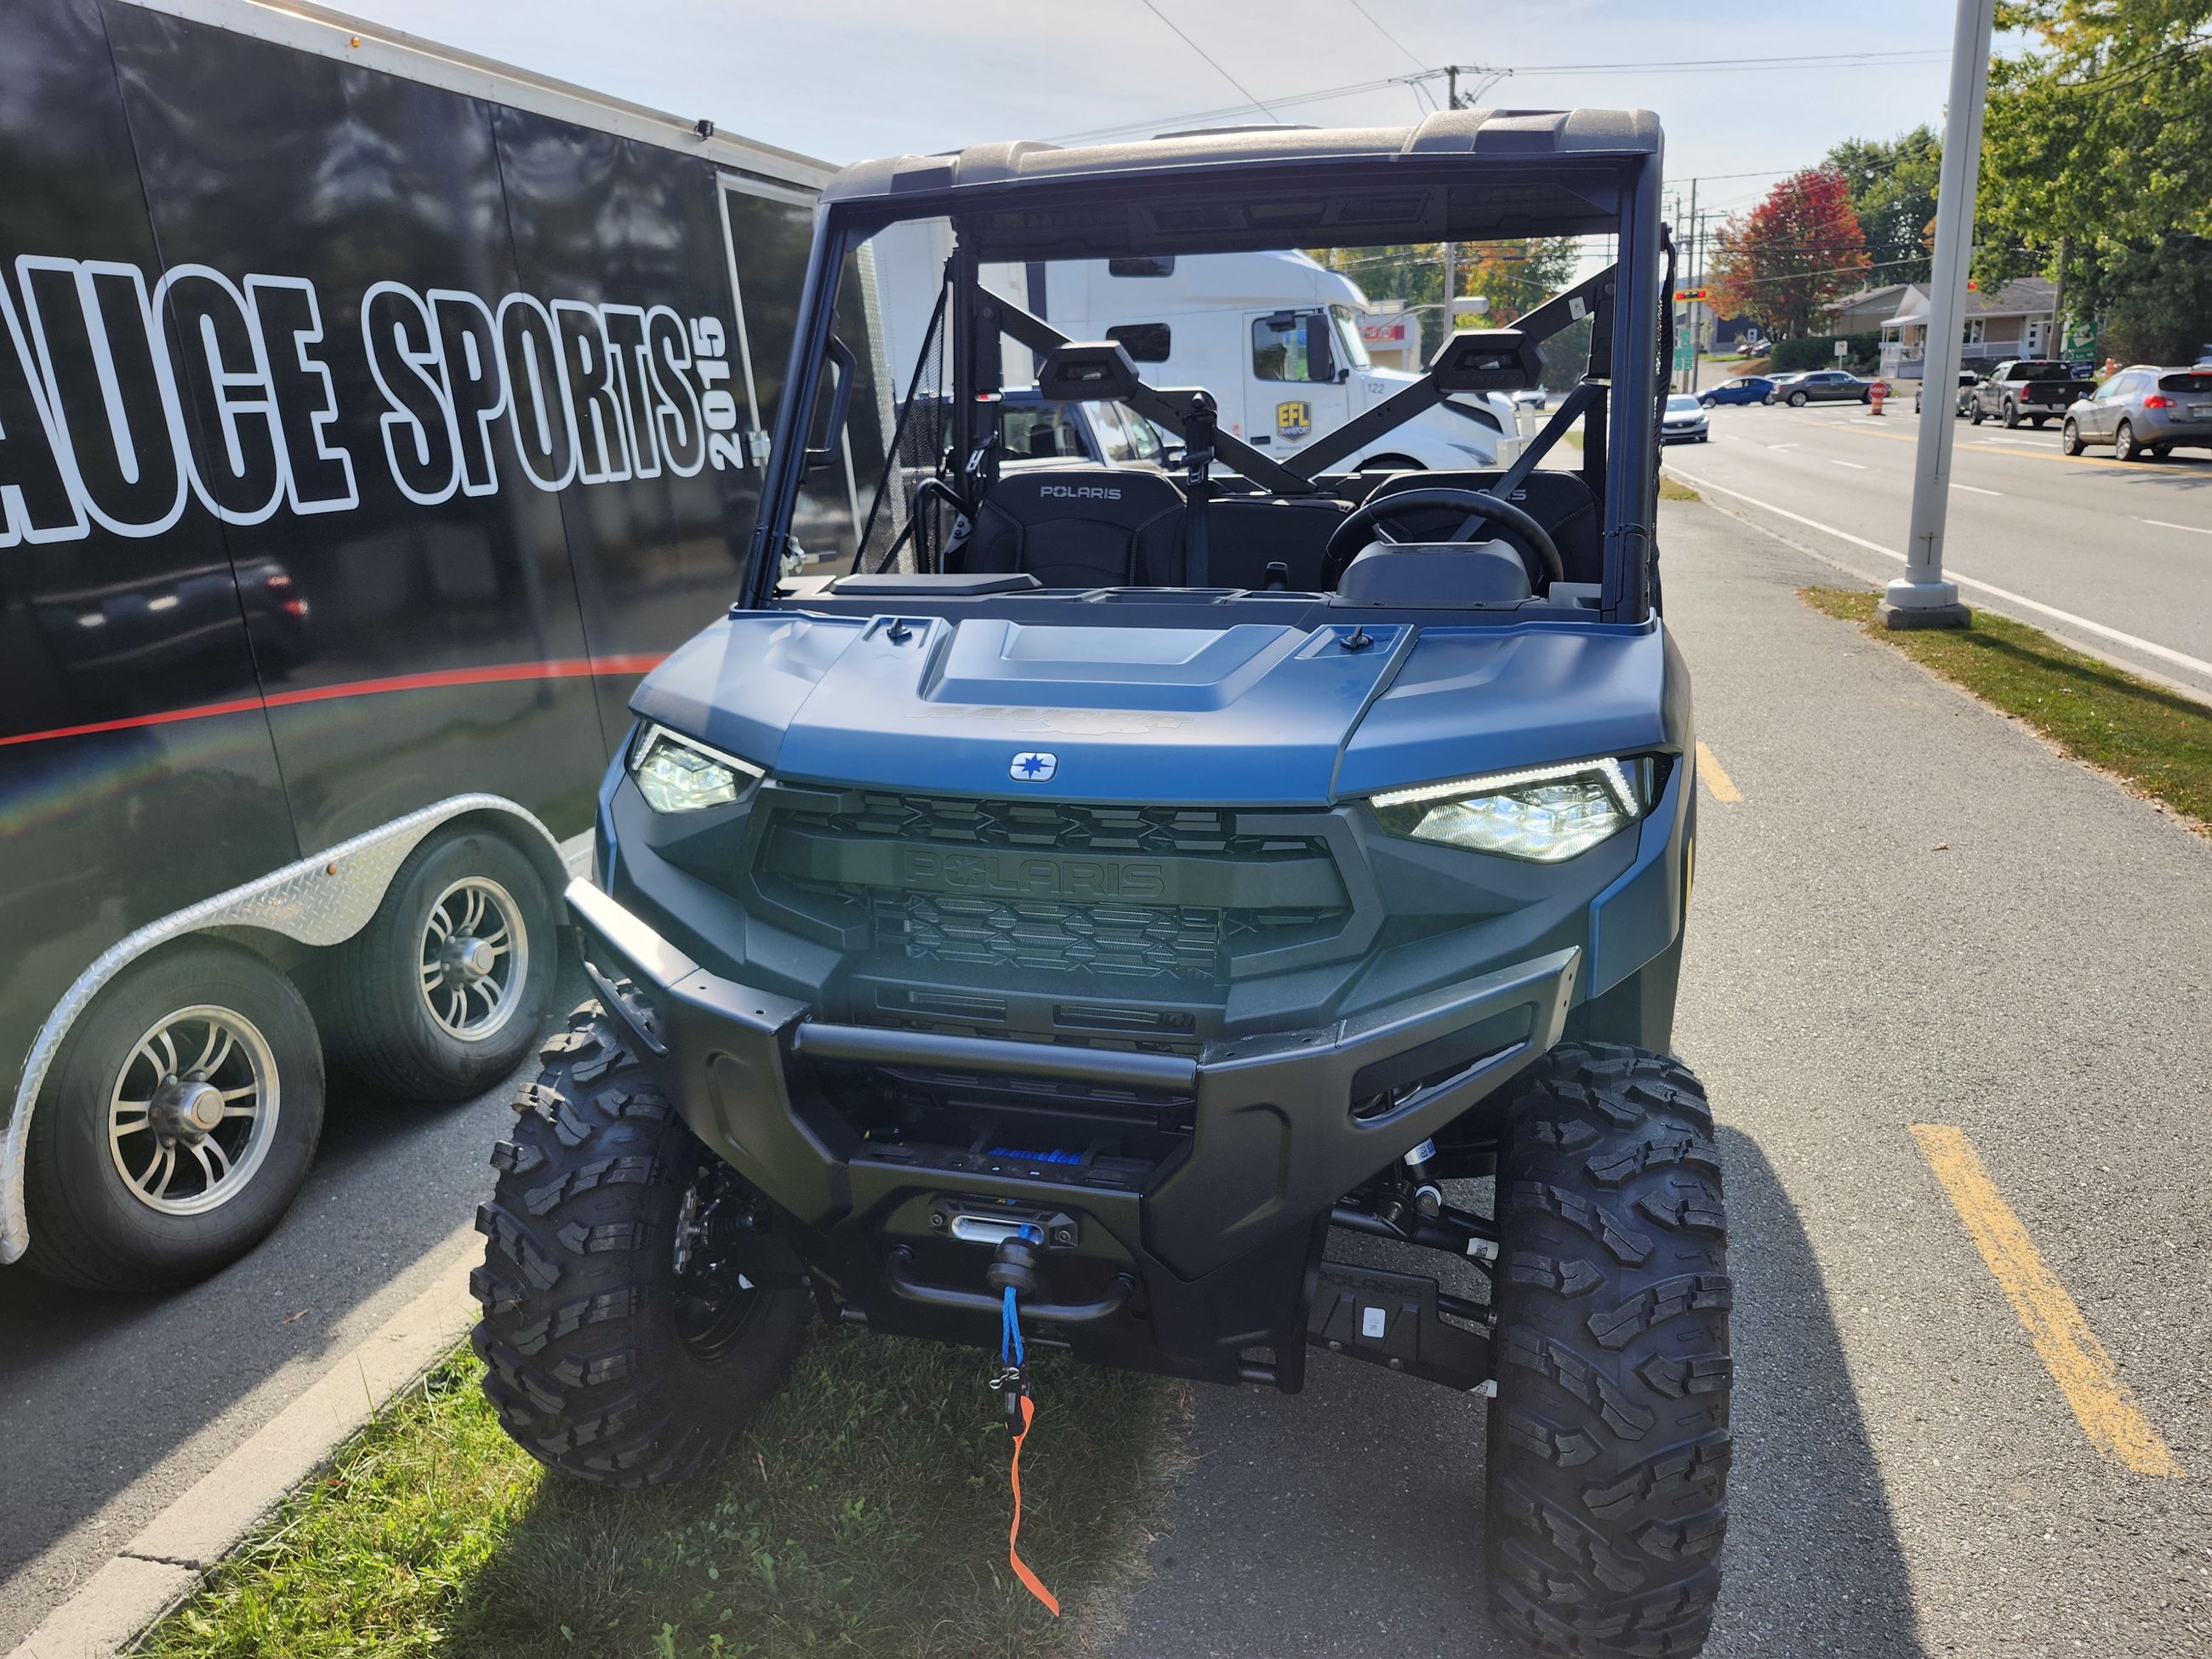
[2095, 164]
[1514, 277]
[2101, 130]
[1892, 188]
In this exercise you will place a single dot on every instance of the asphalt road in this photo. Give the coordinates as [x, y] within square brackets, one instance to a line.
[2126, 546]
[1917, 914]
[110, 1406]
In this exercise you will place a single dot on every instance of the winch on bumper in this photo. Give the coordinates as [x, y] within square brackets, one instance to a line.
[1198, 1266]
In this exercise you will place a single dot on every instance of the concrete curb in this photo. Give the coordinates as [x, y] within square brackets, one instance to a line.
[159, 1567]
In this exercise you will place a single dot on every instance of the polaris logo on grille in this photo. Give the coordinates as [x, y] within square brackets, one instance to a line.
[1033, 765]
[921, 870]
[1081, 492]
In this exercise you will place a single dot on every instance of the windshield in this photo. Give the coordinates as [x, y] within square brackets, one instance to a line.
[1349, 345]
[1682, 403]
[1289, 343]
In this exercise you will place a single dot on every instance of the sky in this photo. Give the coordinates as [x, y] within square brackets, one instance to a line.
[843, 80]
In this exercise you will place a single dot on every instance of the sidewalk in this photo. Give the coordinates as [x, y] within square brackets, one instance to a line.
[1908, 1478]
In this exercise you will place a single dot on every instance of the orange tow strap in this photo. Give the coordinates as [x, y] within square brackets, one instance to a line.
[1029, 1580]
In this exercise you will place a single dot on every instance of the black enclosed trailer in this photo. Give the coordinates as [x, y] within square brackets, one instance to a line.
[371, 416]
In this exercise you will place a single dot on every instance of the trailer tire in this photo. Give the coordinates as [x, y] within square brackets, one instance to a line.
[453, 1037]
[1608, 1438]
[598, 1362]
[103, 1215]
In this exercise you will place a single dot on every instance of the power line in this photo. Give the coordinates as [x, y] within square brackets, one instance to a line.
[1386, 33]
[1679, 66]
[1255, 103]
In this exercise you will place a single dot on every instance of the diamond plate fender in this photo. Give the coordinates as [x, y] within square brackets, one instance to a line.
[322, 900]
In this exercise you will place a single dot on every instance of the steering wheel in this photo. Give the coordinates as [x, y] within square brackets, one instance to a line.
[1364, 524]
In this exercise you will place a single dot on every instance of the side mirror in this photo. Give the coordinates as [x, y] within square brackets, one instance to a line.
[841, 404]
[1321, 348]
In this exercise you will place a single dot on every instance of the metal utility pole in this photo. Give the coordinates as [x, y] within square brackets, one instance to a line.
[1920, 598]
[1451, 262]
[1695, 262]
[1486, 78]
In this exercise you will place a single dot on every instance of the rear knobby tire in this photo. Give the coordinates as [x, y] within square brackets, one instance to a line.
[596, 1362]
[1608, 1440]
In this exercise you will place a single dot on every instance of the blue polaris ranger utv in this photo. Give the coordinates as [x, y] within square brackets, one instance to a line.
[1187, 896]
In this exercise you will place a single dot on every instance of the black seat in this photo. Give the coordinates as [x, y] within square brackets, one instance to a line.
[1245, 534]
[1560, 501]
[1081, 527]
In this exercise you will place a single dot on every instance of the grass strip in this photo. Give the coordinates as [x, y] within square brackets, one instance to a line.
[1673, 490]
[2157, 742]
[864, 1512]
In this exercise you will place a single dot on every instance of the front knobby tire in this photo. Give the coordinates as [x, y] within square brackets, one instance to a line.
[1608, 1440]
[603, 1361]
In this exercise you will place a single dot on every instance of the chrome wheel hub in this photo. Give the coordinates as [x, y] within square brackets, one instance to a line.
[474, 958]
[186, 1109]
[193, 1110]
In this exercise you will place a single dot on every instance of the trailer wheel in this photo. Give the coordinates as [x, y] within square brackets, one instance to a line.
[638, 1307]
[443, 993]
[1609, 1439]
[177, 1124]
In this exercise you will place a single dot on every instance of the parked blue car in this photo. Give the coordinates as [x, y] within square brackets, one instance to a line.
[1744, 389]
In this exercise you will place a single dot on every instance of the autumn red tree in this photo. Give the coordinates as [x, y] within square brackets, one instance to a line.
[1800, 247]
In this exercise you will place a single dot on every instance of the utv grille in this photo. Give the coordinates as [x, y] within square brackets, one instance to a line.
[1058, 827]
[994, 891]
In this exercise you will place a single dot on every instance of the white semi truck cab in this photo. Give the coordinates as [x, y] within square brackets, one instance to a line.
[1275, 335]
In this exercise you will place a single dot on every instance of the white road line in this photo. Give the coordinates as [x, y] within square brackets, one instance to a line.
[2165, 524]
[1854, 465]
[1782, 446]
[2195, 664]
[1976, 489]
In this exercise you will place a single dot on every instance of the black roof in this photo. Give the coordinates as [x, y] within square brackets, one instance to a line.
[1500, 135]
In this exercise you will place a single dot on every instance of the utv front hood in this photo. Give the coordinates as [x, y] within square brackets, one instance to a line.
[1248, 715]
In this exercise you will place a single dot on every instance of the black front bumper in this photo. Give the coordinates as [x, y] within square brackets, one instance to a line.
[1187, 1267]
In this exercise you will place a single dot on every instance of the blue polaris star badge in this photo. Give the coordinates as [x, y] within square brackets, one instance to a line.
[1033, 765]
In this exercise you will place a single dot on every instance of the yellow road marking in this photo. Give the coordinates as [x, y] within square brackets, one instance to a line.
[2077, 1362]
[1722, 785]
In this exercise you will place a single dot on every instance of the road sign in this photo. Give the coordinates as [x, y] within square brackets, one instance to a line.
[1842, 348]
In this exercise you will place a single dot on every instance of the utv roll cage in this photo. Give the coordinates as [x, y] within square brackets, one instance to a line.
[1467, 175]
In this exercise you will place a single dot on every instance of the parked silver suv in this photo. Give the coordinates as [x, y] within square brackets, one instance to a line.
[2143, 410]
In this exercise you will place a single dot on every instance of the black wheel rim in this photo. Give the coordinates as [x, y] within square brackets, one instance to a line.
[715, 1298]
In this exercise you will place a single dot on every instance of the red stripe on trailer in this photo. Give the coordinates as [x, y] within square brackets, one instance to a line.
[556, 668]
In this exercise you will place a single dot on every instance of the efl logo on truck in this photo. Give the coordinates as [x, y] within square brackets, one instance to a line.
[103, 377]
[1294, 419]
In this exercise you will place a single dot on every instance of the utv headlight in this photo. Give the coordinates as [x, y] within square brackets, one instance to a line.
[1544, 813]
[676, 775]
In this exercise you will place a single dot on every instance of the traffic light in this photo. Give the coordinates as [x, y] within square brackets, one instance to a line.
[1692, 293]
